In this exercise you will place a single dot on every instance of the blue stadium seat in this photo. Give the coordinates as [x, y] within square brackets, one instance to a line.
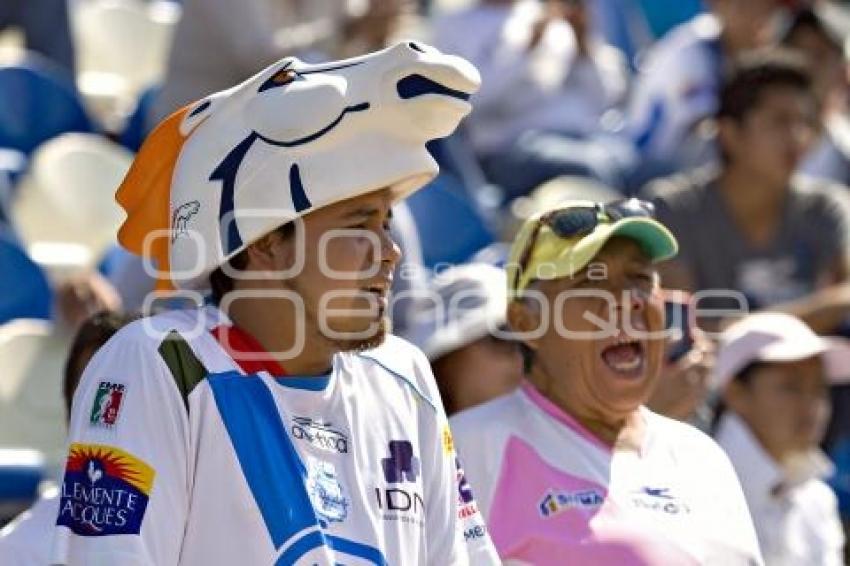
[38, 102]
[136, 127]
[450, 227]
[24, 290]
[663, 15]
[13, 163]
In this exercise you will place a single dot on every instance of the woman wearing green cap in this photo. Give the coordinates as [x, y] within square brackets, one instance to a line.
[572, 468]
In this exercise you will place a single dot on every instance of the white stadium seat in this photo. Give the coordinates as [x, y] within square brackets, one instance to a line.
[65, 211]
[32, 413]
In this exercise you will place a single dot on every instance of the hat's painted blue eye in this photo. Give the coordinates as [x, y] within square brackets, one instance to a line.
[200, 108]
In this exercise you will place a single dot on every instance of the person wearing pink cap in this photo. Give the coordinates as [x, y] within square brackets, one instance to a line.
[774, 373]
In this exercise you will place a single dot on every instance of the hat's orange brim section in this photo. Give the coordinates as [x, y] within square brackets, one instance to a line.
[145, 196]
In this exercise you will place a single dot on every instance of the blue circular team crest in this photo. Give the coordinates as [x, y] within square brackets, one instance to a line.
[326, 491]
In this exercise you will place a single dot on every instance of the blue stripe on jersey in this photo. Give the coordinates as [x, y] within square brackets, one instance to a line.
[269, 461]
[351, 548]
[339, 545]
[309, 383]
[273, 469]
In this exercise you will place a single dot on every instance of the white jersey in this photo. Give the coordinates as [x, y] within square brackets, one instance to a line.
[552, 493]
[26, 540]
[795, 512]
[180, 456]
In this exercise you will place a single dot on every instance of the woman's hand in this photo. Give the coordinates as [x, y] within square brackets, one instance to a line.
[684, 384]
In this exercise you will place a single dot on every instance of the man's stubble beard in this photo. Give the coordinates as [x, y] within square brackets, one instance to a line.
[347, 344]
[366, 343]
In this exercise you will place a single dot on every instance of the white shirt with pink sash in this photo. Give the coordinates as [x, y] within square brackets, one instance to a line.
[552, 493]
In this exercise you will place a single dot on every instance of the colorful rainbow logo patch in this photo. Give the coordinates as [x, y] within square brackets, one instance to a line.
[105, 491]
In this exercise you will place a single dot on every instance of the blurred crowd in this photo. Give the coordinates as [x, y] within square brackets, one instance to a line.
[731, 117]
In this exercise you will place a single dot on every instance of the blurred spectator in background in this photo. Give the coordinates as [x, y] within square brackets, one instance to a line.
[460, 319]
[45, 27]
[814, 33]
[633, 25]
[677, 87]
[820, 34]
[82, 295]
[218, 43]
[26, 540]
[410, 277]
[547, 83]
[773, 375]
[749, 227]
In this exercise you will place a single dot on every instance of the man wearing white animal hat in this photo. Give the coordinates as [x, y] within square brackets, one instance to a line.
[280, 424]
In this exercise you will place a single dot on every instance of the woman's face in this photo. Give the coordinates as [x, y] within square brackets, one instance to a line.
[604, 348]
[786, 405]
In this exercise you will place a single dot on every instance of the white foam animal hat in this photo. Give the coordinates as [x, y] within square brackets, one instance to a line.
[221, 173]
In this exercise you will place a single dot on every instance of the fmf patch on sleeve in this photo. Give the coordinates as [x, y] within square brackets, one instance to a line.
[107, 404]
[105, 491]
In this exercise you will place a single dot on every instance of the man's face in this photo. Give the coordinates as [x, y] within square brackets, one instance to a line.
[771, 140]
[616, 299]
[786, 405]
[349, 259]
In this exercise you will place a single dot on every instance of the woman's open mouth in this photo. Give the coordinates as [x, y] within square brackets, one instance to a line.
[626, 357]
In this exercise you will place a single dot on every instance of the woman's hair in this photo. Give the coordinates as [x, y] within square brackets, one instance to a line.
[221, 283]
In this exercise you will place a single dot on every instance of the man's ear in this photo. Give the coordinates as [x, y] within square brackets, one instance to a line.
[269, 253]
[524, 318]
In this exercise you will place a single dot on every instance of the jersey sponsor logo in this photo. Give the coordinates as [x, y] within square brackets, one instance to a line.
[326, 491]
[448, 440]
[401, 466]
[474, 533]
[107, 404]
[320, 434]
[400, 502]
[403, 505]
[466, 500]
[556, 502]
[660, 500]
[105, 491]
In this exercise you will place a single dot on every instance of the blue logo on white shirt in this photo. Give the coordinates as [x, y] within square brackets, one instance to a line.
[326, 491]
[556, 502]
[659, 499]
